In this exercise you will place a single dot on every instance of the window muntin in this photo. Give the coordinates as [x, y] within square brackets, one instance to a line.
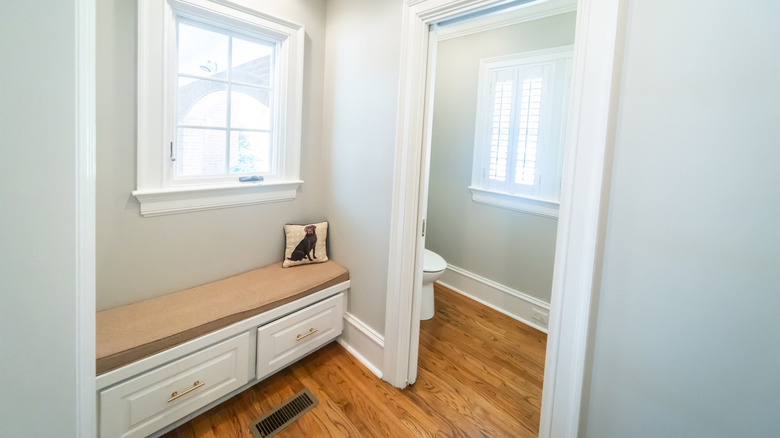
[225, 103]
[520, 127]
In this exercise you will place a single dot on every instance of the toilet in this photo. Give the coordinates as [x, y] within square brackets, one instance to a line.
[433, 268]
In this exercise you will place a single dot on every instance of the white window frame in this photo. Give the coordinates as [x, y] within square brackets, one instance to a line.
[158, 191]
[543, 197]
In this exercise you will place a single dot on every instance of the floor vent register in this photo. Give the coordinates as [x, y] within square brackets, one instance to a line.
[271, 423]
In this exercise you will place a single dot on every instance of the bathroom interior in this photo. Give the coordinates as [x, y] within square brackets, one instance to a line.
[498, 253]
[495, 251]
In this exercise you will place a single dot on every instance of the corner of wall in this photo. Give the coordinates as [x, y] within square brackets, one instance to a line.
[362, 342]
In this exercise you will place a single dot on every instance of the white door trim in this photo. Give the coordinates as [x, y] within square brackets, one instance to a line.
[579, 242]
[85, 165]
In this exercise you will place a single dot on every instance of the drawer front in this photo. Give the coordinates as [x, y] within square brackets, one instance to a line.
[287, 339]
[153, 400]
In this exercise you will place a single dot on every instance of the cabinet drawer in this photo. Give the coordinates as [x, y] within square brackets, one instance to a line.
[153, 400]
[287, 339]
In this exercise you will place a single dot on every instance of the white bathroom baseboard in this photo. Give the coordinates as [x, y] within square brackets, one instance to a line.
[362, 342]
[513, 303]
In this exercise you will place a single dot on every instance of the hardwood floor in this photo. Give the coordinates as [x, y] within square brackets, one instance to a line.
[480, 374]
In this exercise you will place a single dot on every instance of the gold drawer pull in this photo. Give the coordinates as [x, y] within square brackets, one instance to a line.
[311, 332]
[196, 385]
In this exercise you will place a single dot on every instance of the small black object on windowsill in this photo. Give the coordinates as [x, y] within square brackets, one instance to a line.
[253, 178]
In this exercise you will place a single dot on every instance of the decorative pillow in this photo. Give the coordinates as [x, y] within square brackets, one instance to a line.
[305, 244]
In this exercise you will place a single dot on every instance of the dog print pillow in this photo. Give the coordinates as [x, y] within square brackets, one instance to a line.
[305, 244]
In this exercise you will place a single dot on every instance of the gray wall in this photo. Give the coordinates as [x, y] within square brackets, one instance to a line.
[513, 248]
[688, 338]
[38, 293]
[139, 257]
[361, 101]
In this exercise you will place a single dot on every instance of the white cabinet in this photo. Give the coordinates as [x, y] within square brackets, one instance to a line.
[287, 339]
[155, 393]
[150, 401]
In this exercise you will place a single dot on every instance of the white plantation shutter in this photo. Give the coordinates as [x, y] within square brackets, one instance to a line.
[516, 114]
[520, 124]
[528, 130]
[503, 90]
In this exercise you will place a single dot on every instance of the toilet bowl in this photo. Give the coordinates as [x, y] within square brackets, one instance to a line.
[433, 268]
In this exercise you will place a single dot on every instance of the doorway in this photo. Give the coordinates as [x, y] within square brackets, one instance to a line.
[500, 99]
[500, 102]
[576, 259]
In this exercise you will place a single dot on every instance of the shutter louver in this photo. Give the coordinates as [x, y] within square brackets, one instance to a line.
[499, 140]
[528, 131]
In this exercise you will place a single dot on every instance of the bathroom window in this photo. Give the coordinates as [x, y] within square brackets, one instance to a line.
[520, 128]
[219, 106]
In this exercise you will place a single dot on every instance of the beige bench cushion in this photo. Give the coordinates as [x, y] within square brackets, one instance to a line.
[129, 333]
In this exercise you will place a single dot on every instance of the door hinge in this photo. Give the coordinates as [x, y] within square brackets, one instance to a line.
[423, 228]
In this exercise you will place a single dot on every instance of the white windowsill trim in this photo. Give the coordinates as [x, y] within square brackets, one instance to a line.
[539, 207]
[180, 200]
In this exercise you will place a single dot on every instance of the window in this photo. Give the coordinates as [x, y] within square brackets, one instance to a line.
[520, 127]
[223, 99]
[219, 106]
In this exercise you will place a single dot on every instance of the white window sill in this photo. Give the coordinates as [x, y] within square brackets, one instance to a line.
[197, 198]
[539, 207]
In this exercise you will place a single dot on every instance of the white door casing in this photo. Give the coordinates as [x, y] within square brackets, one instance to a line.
[85, 171]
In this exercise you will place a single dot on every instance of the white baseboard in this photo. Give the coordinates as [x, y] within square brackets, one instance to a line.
[363, 342]
[513, 303]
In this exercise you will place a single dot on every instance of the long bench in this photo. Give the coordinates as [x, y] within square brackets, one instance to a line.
[167, 358]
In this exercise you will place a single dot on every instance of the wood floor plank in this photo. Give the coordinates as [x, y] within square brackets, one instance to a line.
[458, 320]
[480, 374]
[412, 416]
[370, 418]
[526, 375]
[484, 383]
